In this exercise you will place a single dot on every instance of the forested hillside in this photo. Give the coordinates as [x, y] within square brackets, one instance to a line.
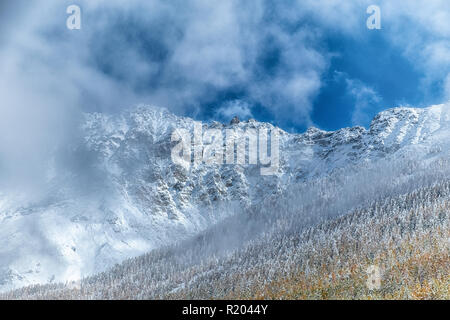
[302, 247]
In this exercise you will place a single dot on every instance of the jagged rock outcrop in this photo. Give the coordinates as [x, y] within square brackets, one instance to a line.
[142, 200]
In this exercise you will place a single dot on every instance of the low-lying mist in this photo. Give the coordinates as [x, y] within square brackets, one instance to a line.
[308, 204]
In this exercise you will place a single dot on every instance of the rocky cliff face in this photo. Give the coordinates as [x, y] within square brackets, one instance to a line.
[135, 198]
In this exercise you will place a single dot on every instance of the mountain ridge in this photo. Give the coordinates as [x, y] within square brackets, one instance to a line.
[137, 199]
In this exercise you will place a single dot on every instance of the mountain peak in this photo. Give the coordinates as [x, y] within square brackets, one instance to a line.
[235, 120]
[149, 201]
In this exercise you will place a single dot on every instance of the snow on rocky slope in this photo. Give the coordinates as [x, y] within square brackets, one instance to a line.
[136, 199]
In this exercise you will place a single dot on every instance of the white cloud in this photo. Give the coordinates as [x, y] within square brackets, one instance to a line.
[447, 87]
[177, 54]
[421, 29]
[366, 100]
[234, 108]
[180, 53]
[172, 54]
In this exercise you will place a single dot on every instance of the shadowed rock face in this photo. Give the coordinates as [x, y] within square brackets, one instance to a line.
[235, 120]
[138, 199]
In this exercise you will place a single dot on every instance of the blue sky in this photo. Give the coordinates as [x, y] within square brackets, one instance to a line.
[293, 63]
[373, 63]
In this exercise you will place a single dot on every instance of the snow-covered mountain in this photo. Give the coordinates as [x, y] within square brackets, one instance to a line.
[132, 198]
